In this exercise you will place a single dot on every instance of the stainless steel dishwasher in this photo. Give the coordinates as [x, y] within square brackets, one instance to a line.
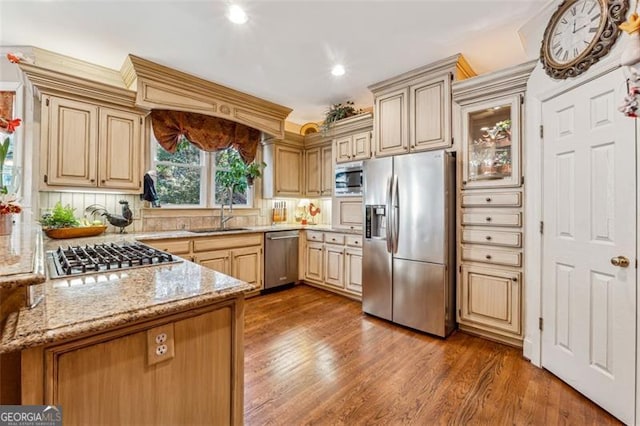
[280, 258]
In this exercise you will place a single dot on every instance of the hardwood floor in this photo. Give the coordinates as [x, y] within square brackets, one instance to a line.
[312, 357]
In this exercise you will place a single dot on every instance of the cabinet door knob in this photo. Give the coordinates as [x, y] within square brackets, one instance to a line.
[92, 180]
[464, 182]
[488, 237]
[488, 257]
[488, 199]
[488, 219]
[413, 146]
[103, 181]
[514, 279]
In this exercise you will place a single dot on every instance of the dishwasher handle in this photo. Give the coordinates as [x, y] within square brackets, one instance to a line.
[282, 238]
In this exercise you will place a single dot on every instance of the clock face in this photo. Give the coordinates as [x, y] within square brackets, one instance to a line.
[579, 34]
[575, 30]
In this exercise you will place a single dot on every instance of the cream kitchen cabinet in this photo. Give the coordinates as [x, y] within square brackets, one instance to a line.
[90, 146]
[413, 111]
[347, 213]
[490, 216]
[353, 270]
[237, 255]
[314, 262]
[327, 178]
[284, 174]
[353, 147]
[333, 261]
[334, 265]
[318, 172]
[491, 299]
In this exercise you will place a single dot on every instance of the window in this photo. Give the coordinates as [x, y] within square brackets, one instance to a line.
[194, 178]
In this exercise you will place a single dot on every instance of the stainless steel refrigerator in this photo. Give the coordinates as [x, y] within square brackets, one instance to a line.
[409, 243]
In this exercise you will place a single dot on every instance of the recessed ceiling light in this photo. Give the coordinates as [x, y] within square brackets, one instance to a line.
[337, 70]
[237, 15]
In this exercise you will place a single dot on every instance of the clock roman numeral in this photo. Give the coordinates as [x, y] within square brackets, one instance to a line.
[593, 29]
[559, 51]
[595, 17]
[573, 11]
[575, 52]
[564, 21]
[565, 56]
[592, 7]
[555, 46]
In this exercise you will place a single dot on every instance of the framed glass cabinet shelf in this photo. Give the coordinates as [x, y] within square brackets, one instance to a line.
[491, 143]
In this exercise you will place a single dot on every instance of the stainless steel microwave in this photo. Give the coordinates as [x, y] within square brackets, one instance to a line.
[348, 180]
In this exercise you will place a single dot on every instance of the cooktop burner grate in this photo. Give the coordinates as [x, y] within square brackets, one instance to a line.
[79, 260]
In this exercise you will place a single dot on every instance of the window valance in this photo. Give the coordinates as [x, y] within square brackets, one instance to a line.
[206, 132]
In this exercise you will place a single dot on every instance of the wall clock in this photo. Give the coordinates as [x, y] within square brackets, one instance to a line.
[579, 33]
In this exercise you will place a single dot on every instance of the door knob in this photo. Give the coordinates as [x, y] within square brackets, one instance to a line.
[620, 261]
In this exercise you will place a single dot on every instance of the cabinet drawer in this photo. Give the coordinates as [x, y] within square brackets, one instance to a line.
[509, 199]
[315, 236]
[353, 240]
[492, 219]
[496, 238]
[171, 246]
[220, 243]
[333, 238]
[494, 256]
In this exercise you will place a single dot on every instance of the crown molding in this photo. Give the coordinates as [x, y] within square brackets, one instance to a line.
[161, 87]
[503, 82]
[456, 64]
[55, 82]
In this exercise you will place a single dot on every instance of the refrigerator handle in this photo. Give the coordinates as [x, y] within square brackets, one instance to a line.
[389, 224]
[395, 213]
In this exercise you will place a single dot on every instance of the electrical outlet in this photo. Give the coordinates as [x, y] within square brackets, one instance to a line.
[160, 344]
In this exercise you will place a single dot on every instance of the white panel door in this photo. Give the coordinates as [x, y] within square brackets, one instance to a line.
[589, 304]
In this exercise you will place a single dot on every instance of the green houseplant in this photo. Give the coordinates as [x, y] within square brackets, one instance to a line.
[233, 176]
[338, 112]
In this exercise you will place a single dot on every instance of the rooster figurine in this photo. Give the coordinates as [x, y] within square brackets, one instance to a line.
[120, 221]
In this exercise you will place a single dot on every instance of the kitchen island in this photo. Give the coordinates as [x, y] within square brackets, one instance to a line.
[156, 344]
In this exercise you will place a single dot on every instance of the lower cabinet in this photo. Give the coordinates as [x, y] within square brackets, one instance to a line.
[119, 377]
[238, 255]
[491, 300]
[314, 261]
[334, 265]
[217, 260]
[334, 261]
[353, 270]
[347, 212]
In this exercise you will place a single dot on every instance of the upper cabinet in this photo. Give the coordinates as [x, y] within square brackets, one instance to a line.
[413, 110]
[283, 176]
[490, 108]
[491, 143]
[352, 138]
[90, 146]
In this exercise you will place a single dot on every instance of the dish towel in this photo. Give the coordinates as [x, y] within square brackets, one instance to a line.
[149, 191]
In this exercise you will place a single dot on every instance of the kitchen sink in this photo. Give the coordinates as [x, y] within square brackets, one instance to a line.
[207, 230]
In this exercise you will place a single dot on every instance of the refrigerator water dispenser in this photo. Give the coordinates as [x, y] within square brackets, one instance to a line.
[375, 221]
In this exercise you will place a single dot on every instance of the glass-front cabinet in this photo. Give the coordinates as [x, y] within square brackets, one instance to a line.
[491, 143]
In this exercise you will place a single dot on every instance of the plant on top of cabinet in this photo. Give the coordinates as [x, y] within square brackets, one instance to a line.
[337, 112]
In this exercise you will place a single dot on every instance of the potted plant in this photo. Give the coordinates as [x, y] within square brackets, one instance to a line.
[254, 170]
[338, 112]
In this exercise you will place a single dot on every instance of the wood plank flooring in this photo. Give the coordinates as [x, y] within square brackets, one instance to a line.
[312, 357]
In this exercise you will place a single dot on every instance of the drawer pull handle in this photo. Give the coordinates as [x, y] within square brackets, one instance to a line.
[488, 219]
[488, 199]
[488, 237]
[356, 242]
[488, 257]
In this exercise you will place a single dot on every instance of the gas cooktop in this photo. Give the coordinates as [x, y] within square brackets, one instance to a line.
[106, 257]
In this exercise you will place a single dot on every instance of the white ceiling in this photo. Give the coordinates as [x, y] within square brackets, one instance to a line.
[286, 50]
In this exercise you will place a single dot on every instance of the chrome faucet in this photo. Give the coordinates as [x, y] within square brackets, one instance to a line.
[224, 220]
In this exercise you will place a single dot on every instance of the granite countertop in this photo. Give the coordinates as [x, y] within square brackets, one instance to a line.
[77, 306]
[21, 257]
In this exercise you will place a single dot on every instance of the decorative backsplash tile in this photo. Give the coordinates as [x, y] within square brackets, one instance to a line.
[259, 216]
